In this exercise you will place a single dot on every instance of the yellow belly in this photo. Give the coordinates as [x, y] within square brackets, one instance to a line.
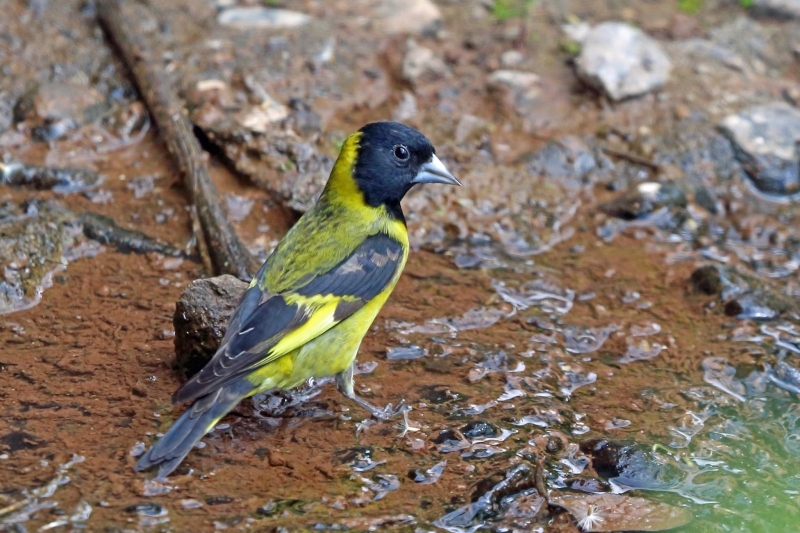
[326, 355]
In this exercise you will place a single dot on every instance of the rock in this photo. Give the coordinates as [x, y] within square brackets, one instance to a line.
[707, 199]
[706, 279]
[201, 318]
[790, 94]
[763, 139]
[447, 436]
[784, 9]
[239, 207]
[743, 296]
[515, 91]
[568, 157]
[406, 109]
[262, 17]
[67, 101]
[577, 32]
[420, 64]
[279, 160]
[409, 16]
[493, 495]
[622, 60]
[630, 464]
[758, 304]
[618, 512]
[479, 428]
[697, 51]
[55, 108]
[763, 47]
[785, 376]
[37, 239]
[522, 83]
[259, 119]
[303, 118]
[643, 199]
[511, 58]
[469, 125]
[6, 113]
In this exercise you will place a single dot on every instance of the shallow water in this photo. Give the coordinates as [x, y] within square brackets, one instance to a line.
[528, 320]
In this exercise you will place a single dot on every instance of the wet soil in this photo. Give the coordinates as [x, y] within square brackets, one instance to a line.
[89, 371]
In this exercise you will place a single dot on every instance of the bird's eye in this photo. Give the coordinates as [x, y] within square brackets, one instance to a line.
[401, 152]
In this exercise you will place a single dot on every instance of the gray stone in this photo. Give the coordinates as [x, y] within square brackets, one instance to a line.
[67, 101]
[511, 58]
[778, 8]
[468, 126]
[525, 83]
[577, 32]
[420, 64]
[515, 91]
[408, 16]
[53, 109]
[743, 295]
[759, 45]
[37, 240]
[6, 113]
[756, 305]
[406, 109]
[763, 139]
[201, 318]
[262, 17]
[622, 61]
[702, 50]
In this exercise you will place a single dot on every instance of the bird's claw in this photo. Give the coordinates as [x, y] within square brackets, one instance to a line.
[387, 413]
[384, 414]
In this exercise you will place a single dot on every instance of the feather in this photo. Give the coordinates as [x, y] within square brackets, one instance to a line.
[268, 326]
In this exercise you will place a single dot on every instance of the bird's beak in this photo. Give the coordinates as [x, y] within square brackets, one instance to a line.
[434, 171]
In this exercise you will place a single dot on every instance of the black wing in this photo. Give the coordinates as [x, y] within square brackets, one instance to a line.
[263, 319]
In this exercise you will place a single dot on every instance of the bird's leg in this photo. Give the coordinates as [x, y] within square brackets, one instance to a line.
[345, 384]
[277, 402]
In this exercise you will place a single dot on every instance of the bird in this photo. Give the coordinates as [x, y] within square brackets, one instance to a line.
[313, 300]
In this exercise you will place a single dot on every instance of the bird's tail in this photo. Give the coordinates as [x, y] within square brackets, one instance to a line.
[198, 420]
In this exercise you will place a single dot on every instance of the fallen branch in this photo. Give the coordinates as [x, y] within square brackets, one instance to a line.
[631, 158]
[225, 252]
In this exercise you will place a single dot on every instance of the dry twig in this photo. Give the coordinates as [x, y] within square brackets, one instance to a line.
[224, 251]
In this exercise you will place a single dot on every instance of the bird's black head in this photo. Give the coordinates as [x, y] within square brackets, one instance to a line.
[391, 159]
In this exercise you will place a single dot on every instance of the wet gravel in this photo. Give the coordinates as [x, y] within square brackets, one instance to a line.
[600, 330]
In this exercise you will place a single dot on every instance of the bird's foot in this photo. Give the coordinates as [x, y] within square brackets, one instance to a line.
[386, 413]
[276, 403]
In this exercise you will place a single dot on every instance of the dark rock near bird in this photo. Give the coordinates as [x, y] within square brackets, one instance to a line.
[201, 317]
[706, 279]
[630, 464]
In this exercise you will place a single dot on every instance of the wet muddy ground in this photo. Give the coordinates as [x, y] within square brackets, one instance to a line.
[621, 271]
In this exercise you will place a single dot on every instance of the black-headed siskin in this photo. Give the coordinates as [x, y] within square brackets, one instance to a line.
[311, 303]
